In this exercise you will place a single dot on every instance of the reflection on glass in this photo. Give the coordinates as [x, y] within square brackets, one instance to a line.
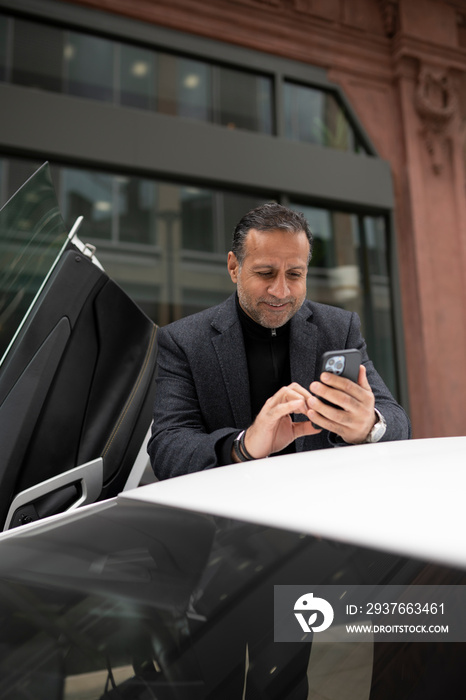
[3, 46]
[158, 602]
[334, 270]
[167, 102]
[32, 235]
[97, 68]
[37, 55]
[245, 101]
[320, 221]
[315, 116]
[100, 69]
[194, 81]
[137, 77]
[374, 227]
[184, 87]
[17, 171]
[137, 210]
[89, 65]
[234, 207]
[349, 269]
[379, 296]
[197, 219]
[196, 299]
[89, 195]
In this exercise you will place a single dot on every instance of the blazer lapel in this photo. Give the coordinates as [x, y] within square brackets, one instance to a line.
[303, 347]
[231, 355]
[303, 351]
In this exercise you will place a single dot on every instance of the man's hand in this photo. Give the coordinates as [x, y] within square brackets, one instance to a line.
[357, 418]
[274, 429]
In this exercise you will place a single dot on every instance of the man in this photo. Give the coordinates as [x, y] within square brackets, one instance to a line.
[239, 381]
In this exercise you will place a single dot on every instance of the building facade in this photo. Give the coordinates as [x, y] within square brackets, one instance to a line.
[165, 121]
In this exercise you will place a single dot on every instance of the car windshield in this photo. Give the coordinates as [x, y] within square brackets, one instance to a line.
[135, 600]
[32, 236]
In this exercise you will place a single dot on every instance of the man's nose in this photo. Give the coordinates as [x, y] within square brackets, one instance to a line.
[279, 287]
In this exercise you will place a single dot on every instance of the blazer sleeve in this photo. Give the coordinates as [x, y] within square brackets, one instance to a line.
[180, 442]
[398, 424]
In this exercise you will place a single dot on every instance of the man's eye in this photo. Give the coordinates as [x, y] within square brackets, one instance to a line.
[264, 274]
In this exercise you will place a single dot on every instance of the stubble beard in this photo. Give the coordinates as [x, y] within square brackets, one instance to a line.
[264, 317]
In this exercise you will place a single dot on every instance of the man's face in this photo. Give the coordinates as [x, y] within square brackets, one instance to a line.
[271, 282]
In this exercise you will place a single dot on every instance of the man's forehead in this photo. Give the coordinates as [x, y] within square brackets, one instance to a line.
[275, 243]
[265, 233]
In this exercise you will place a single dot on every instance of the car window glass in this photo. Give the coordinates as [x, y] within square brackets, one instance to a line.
[143, 598]
[32, 236]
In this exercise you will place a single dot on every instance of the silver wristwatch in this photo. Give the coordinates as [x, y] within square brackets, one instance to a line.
[378, 430]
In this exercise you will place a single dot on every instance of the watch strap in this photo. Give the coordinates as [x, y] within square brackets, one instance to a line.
[378, 429]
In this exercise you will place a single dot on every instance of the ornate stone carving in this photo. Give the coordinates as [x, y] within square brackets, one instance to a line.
[389, 9]
[435, 102]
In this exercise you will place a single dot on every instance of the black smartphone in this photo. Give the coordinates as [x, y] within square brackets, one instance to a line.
[345, 363]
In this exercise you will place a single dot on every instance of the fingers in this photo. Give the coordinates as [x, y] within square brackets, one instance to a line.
[353, 415]
[293, 389]
[362, 379]
[273, 428]
[303, 428]
[288, 399]
[342, 391]
[328, 417]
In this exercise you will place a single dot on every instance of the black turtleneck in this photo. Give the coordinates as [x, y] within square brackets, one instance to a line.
[268, 359]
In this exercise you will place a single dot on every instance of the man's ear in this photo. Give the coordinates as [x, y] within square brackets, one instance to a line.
[233, 266]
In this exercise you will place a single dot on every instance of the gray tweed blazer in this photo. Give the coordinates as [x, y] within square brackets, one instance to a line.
[202, 390]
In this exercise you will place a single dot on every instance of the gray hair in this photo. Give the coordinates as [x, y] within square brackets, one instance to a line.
[269, 217]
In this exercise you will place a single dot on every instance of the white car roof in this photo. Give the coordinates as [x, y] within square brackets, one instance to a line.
[406, 497]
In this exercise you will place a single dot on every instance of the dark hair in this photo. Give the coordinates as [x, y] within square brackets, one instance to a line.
[269, 217]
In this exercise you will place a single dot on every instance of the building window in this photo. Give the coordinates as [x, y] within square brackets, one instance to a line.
[245, 101]
[37, 55]
[136, 209]
[378, 298]
[315, 116]
[184, 87]
[84, 65]
[88, 64]
[89, 195]
[97, 68]
[137, 77]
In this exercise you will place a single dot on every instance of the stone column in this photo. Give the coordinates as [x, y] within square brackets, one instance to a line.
[432, 216]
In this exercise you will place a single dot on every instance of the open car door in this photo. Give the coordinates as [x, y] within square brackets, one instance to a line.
[76, 370]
